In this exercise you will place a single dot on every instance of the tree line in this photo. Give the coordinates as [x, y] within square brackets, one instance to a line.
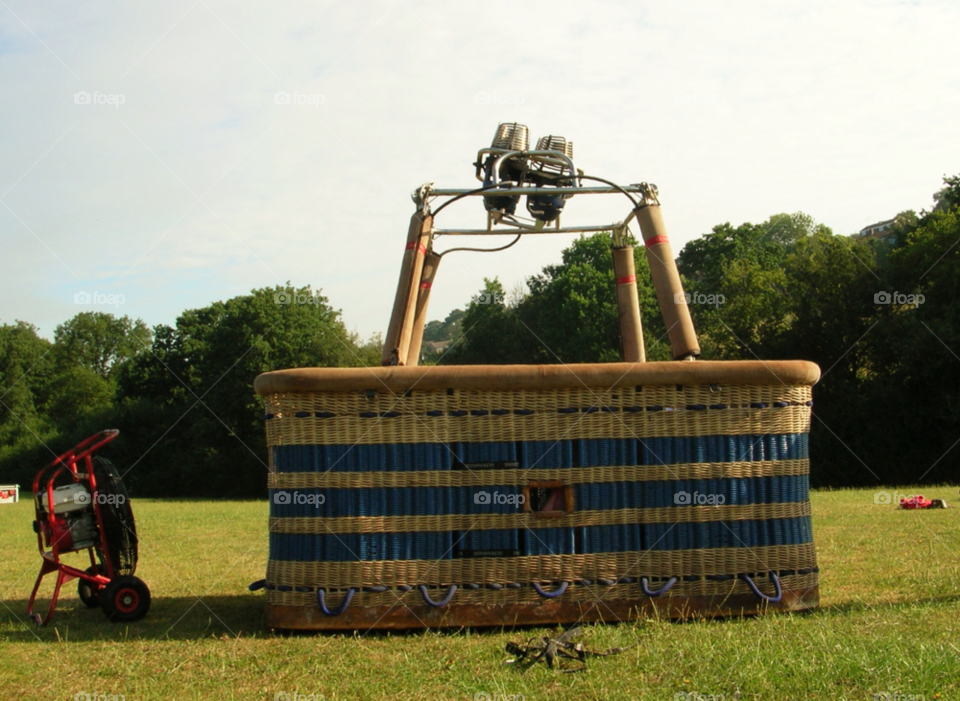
[182, 395]
[879, 317]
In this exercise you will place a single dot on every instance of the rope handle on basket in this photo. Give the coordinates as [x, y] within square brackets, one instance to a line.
[443, 602]
[550, 594]
[644, 585]
[776, 587]
[321, 599]
[258, 585]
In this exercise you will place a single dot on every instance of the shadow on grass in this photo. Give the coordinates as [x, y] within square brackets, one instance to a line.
[169, 618]
[855, 607]
[224, 617]
[185, 618]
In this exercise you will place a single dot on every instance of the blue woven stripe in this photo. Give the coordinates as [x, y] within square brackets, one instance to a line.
[546, 454]
[489, 540]
[542, 541]
[729, 491]
[504, 499]
[619, 538]
[667, 451]
[351, 547]
[389, 457]
[541, 454]
[548, 541]
[485, 452]
[406, 501]
[721, 534]
[608, 451]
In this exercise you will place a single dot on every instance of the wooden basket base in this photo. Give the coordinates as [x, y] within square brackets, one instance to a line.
[401, 617]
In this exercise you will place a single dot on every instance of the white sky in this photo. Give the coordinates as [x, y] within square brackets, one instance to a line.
[200, 187]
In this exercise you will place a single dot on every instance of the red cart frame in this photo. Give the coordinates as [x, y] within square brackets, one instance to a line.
[80, 454]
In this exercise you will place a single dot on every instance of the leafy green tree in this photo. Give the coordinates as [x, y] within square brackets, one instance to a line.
[492, 333]
[569, 314]
[74, 394]
[447, 330]
[99, 341]
[739, 273]
[949, 196]
[25, 366]
[369, 352]
[915, 357]
[196, 384]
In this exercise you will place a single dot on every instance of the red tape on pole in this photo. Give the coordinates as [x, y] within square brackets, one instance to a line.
[655, 240]
[414, 244]
[626, 280]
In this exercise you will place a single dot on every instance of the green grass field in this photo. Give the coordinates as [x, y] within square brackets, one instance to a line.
[888, 624]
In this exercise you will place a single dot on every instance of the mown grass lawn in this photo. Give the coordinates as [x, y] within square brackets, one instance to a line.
[888, 624]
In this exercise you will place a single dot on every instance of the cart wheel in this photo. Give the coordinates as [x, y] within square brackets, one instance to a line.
[125, 599]
[88, 591]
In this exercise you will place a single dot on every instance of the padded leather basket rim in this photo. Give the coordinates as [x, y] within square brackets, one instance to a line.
[398, 378]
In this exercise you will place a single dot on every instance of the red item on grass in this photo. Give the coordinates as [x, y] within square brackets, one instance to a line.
[915, 502]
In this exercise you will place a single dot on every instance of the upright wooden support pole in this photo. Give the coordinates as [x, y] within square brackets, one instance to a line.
[430, 264]
[666, 279]
[628, 305]
[397, 342]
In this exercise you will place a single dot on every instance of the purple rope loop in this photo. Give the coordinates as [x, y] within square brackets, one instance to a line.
[321, 599]
[550, 594]
[444, 601]
[776, 587]
[644, 585]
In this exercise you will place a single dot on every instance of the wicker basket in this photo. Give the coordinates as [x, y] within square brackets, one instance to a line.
[408, 497]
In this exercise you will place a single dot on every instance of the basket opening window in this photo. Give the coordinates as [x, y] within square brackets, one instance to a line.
[552, 499]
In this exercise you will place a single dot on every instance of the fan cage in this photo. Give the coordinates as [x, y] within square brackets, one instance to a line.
[116, 514]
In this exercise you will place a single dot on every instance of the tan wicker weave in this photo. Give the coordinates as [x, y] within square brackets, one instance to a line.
[392, 405]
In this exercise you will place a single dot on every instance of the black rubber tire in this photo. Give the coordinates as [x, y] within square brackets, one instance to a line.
[125, 599]
[87, 591]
